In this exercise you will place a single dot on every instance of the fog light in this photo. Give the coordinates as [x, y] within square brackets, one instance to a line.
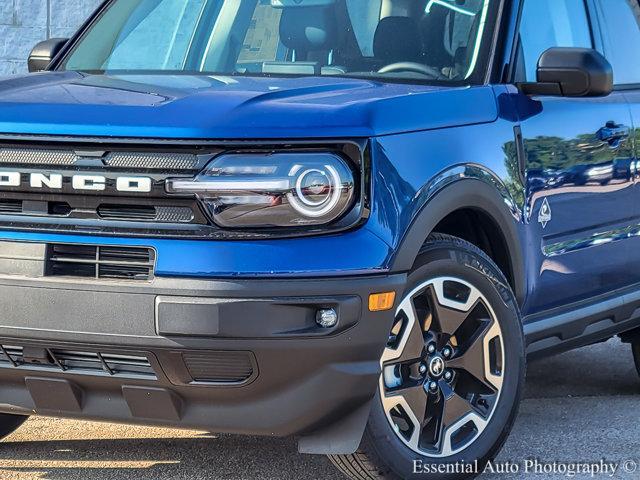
[327, 318]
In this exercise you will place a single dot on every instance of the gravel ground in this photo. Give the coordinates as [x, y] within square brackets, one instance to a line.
[582, 406]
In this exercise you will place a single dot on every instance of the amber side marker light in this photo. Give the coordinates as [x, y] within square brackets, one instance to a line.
[380, 302]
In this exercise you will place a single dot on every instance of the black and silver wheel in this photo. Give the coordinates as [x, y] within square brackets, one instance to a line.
[452, 371]
[10, 423]
[443, 368]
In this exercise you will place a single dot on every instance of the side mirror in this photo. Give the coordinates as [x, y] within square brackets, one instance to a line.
[44, 52]
[571, 72]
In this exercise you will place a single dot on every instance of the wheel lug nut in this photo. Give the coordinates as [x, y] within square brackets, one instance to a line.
[448, 375]
[431, 348]
[447, 352]
[423, 369]
[433, 386]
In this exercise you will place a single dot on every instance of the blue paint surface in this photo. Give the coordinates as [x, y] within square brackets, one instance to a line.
[424, 140]
[202, 107]
[358, 252]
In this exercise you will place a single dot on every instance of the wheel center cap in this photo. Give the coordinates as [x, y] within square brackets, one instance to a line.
[436, 367]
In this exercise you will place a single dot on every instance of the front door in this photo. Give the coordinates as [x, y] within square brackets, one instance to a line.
[579, 173]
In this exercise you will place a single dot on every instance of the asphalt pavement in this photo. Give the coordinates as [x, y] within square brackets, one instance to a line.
[580, 407]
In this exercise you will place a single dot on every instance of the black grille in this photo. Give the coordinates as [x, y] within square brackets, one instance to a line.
[128, 212]
[115, 159]
[108, 211]
[116, 365]
[28, 207]
[146, 213]
[219, 367]
[152, 214]
[59, 209]
[115, 212]
[31, 156]
[11, 206]
[128, 263]
[157, 161]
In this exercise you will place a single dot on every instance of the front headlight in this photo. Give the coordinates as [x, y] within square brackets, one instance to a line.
[273, 190]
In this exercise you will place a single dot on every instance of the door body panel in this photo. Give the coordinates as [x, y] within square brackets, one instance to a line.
[581, 202]
[633, 98]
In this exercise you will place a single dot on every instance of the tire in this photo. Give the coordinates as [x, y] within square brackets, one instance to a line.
[10, 423]
[455, 272]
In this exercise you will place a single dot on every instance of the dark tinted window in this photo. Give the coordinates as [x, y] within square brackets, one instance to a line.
[424, 40]
[550, 23]
[364, 19]
[621, 32]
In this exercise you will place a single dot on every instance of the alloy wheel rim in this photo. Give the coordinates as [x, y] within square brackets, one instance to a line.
[443, 367]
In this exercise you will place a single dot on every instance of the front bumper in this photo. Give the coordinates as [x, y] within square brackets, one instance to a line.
[236, 356]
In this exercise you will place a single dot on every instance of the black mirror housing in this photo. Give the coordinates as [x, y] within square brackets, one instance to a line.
[571, 72]
[44, 52]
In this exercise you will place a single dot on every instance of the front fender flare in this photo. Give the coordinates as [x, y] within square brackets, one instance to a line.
[468, 193]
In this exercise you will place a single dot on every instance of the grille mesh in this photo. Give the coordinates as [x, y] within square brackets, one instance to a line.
[219, 367]
[149, 213]
[133, 160]
[37, 157]
[174, 214]
[161, 161]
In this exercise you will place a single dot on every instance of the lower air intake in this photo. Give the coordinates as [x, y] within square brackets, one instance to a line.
[219, 367]
[71, 361]
[99, 262]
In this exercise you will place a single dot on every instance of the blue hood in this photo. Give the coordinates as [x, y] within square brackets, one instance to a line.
[207, 107]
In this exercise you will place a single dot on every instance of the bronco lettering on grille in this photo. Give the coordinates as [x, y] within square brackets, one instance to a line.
[80, 182]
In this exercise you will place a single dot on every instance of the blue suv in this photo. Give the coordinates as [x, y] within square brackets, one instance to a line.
[348, 221]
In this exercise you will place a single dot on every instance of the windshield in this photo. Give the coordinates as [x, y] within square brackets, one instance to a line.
[439, 40]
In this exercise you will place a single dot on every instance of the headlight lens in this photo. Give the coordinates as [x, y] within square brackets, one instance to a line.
[276, 190]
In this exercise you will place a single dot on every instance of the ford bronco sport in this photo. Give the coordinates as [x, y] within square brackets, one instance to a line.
[348, 221]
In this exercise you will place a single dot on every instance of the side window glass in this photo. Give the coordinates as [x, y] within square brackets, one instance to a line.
[550, 23]
[621, 35]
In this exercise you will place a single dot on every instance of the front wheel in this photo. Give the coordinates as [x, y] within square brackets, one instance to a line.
[452, 371]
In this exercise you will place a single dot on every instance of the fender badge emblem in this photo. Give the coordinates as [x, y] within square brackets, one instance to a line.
[544, 216]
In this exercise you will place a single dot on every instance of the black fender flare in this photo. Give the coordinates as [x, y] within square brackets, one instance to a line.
[468, 193]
